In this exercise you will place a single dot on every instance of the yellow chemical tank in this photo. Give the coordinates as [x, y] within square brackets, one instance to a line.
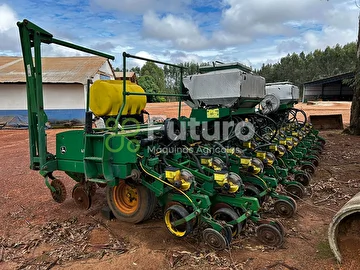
[106, 98]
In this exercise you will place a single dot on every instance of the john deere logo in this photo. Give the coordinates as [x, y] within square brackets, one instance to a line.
[63, 149]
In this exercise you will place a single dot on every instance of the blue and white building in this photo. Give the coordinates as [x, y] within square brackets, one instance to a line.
[64, 84]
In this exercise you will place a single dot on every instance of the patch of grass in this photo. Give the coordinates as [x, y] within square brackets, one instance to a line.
[323, 250]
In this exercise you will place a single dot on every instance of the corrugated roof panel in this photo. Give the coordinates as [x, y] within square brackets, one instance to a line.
[55, 69]
[120, 74]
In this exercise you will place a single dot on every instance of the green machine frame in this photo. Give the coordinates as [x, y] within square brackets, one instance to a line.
[88, 150]
[32, 36]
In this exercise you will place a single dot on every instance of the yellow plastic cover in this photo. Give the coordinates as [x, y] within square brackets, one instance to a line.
[219, 177]
[171, 174]
[273, 147]
[260, 154]
[206, 161]
[106, 98]
[245, 161]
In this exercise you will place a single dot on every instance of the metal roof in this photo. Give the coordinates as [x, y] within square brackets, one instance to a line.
[120, 74]
[54, 69]
[335, 78]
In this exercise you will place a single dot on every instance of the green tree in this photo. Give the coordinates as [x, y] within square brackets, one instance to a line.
[148, 83]
[136, 70]
[151, 69]
[301, 68]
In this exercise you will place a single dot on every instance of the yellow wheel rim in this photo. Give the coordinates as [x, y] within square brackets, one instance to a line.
[125, 198]
[173, 230]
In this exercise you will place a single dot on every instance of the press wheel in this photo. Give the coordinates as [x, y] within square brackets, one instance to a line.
[317, 148]
[309, 168]
[215, 239]
[81, 197]
[227, 233]
[293, 202]
[217, 206]
[228, 215]
[303, 178]
[278, 225]
[269, 235]
[315, 161]
[129, 203]
[59, 195]
[295, 190]
[175, 213]
[194, 221]
[322, 142]
[251, 190]
[284, 208]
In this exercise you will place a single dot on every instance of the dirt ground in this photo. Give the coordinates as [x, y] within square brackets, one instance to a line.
[38, 233]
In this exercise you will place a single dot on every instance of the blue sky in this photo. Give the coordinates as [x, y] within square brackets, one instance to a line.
[247, 31]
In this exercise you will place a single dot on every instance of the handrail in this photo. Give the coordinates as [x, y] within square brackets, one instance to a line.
[127, 55]
[125, 93]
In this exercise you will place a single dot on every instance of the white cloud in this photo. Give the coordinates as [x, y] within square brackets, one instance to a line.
[245, 21]
[339, 26]
[183, 33]
[7, 18]
[60, 51]
[140, 63]
[330, 36]
[181, 57]
[9, 33]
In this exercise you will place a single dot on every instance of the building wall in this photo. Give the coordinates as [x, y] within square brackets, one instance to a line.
[62, 102]
[331, 92]
[105, 71]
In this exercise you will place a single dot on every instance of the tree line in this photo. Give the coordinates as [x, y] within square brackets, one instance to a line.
[296, 68]
[301, 68]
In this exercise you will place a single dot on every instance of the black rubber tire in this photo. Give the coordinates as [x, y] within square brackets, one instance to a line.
[217, 206]
[178, 212]
[303, 178]
[317, 148]
[228, 215]
[151, 206]
[322, 142]
[139, 212]
[315, 161]
[314, 153]
[310, 168]
[251, 190]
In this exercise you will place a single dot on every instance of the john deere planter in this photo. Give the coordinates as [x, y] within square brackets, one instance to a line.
[213, 170]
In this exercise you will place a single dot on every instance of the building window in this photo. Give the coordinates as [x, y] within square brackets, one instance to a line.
[104, 77]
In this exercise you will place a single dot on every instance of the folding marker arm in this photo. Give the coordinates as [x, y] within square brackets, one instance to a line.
[31, 36]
